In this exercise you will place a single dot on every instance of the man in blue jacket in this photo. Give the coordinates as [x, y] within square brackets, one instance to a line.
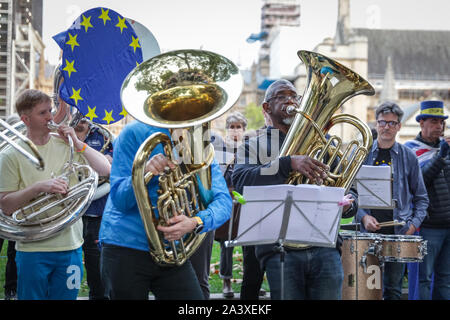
[128, 270]
[408, 190]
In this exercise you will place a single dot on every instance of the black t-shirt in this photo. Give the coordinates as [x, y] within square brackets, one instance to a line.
[383, 159]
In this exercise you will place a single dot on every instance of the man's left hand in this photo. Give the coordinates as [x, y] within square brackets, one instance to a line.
[411, 230]
[346, 202]
[64, 131]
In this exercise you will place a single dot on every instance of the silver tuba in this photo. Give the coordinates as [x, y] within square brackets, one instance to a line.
[49, 214]
[12, 134]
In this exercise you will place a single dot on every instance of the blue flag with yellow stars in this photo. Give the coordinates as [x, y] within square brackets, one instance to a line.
[99, 50]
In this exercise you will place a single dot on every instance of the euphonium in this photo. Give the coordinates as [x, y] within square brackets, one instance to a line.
[14, 133]
[49, 214]
[184, 91]
[329, 85]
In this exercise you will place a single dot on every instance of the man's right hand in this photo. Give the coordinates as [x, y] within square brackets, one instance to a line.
[158, 163]
[310, 168]
[370, 223]
[56, 185]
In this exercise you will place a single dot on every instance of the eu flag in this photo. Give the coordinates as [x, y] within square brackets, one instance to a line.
[99, 50]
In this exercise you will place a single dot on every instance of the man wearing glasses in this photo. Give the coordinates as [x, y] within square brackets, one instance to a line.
[311, 273]
[408, 190]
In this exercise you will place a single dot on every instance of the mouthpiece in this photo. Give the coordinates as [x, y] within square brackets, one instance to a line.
[291, 109]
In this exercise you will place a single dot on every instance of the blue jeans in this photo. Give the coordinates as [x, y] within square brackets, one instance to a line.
[49, 275]
[437, 260]
[309, 274]
[392, 280]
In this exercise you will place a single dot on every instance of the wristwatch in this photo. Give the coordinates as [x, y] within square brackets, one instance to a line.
[199, 226]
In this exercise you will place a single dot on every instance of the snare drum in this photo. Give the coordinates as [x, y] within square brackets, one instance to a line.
[402, 248]
[362, 271]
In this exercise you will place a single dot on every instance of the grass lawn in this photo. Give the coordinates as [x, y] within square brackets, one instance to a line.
[214, 279]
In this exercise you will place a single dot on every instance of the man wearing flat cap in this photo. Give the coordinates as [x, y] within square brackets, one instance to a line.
[432, 151]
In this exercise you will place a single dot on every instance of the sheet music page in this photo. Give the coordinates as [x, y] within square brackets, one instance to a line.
[262, 201]
[314, 218]
[315, 223]
[374, 186]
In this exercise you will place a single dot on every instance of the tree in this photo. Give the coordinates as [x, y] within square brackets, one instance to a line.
[254, 115]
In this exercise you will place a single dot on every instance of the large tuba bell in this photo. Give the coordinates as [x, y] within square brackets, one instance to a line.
[49, 214]
[184, 91]
[329, 85]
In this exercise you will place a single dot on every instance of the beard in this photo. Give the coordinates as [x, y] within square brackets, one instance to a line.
[288, 121]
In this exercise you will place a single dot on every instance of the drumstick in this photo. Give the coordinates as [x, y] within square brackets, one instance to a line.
[391, 223]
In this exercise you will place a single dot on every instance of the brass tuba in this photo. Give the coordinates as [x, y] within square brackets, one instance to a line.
[329, 85]
[183, 91]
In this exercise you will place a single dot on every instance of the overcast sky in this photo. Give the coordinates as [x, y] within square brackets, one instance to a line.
[223, 26]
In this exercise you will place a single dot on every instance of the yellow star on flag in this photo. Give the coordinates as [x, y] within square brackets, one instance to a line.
[124, 112]
[135, 43]
[76, 95]
[91, 114]
[69, 67]
[121, 24]
[104, 16]
[86, 23]
[72, 41]
[108, 116]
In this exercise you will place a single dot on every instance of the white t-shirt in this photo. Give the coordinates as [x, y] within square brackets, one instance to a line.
[17, 173]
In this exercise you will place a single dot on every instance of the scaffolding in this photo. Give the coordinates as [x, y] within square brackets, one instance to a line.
[21, 50]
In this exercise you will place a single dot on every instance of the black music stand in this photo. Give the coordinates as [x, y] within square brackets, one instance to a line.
[282, 238]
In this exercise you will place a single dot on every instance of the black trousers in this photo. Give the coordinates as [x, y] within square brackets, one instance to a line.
[11, 268]
[91, 227]
[201, 262]
[130, 274]
[253, 275]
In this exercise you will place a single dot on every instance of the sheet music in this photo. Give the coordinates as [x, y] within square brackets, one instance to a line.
[374, 187]
[314, 215]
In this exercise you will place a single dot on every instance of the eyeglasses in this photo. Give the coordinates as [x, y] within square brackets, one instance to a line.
[285, 98]
[383, 123]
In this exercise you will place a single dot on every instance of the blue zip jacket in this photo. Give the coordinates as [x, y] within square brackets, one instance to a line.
[408, 188]
[121, 222]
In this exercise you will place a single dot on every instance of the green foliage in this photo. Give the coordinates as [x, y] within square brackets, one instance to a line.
[254, 116]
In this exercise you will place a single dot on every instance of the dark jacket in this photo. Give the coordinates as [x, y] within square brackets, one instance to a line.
[436, 175]
[258, 164]
[96, 141]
